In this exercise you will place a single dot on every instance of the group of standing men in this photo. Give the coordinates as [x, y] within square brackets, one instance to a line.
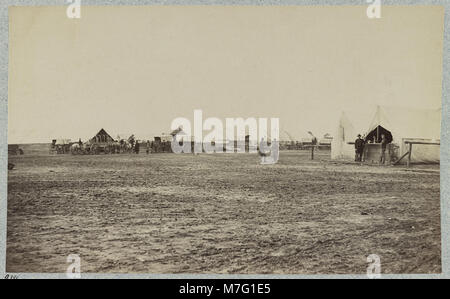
[360, 144]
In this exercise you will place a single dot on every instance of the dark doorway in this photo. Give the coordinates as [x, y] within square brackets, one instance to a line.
[375, 135]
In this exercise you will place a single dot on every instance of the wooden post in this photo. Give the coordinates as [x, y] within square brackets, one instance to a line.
[404, 155]
[389, 152]
[365, 150]
[312, 152]
[409, 155]
[378, 134]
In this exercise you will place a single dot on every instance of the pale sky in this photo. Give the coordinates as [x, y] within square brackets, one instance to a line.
[135, 69]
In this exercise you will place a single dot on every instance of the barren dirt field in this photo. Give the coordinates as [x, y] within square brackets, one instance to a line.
[221, 213]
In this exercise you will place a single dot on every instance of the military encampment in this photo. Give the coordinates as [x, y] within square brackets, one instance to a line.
[259, 139]
[414, 133]
[198, 211]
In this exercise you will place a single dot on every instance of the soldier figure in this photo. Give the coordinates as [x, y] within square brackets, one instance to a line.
[384, 143]
[136, 147]
[359, 148]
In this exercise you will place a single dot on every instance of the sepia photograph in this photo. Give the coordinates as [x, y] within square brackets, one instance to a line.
[208, 139]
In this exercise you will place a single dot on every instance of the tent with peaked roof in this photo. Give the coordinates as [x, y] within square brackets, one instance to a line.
[399, 124]
[101, 137]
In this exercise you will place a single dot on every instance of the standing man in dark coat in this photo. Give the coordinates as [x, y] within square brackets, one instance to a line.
[136, 147]
[359, 148]
[384, 144]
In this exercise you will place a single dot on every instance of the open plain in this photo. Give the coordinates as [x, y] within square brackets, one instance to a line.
[220, 213]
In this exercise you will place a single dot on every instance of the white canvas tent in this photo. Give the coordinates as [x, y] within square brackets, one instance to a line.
[62, 141]
[403, 123]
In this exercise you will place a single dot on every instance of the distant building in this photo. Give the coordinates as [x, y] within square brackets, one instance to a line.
[101, 137]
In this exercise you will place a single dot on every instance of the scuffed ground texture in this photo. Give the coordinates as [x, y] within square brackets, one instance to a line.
[221, 213]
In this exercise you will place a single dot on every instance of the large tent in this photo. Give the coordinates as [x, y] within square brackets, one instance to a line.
[398, 124]
[101, 136]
